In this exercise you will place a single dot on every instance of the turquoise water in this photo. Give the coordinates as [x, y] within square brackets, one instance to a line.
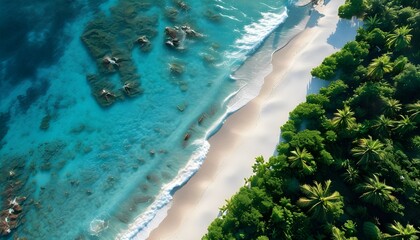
[99, 172]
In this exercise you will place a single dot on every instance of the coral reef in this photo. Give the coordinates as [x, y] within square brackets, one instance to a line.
[176, 68]
[175, 35]
[110, 40]
[171, 13]
[11, 208]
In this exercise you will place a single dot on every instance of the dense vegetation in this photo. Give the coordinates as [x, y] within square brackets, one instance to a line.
[348, 165]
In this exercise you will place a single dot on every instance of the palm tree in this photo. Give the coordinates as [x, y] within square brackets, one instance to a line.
[351, 175]
[379, 66]
[368, 150]
[371, 231]
[400, 38]
[399, 65]
[322, 204]
[337, 234]
[302, 160]
[344, 118]
[408, 232]
[414, 110]
[405, 125]
[391, 107]
[372, 22]
[376, 192]
[383, 125]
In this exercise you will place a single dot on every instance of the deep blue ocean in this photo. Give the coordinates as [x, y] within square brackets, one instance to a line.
[93, 150]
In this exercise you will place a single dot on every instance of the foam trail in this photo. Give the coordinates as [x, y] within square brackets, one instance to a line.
[141, 226]
[257, 32]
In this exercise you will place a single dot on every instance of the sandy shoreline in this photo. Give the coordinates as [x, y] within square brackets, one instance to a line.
[254, 129]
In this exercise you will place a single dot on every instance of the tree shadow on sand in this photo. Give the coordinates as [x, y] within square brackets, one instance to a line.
[342, 35]
[315, 84]
[325, 2]
[314, 18]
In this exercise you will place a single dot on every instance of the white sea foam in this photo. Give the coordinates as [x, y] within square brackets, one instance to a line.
[143, 224]
[255, 33]
[97, 226]
[230, 8]
[230, 17]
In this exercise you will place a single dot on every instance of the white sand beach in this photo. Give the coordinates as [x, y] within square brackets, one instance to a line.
[254, 130]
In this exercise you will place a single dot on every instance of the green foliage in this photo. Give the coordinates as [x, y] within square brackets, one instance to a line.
[400, 232]
[326, 158]
[336, 91]
[368, 151]
[376, 192]
[350, 228]
[288, 126]
[408, 83]
[337, 234]
[371, 231]
[344, 119]
[372, 22]
[288, 220]
[309, 139]
[288, 130]
[379, 66]
[322, 204]
[405, 125]
[391, 107]
[330, 136]
[377, 38]
[399, 64]
[366, 100]
[400, 39]
[318, 99]
[303, 161]
[351, 55]
[327, 69]
[283, 148]
[263, 238]
[307, 112]
[351, 8]
[383, 126]
[414, 111]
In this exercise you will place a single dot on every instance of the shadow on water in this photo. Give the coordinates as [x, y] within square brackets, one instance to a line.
[32, 94]
[32, 35]
[4, 128]
[341, 34]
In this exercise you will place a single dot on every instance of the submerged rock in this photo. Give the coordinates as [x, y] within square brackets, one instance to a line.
[45, 122]
[181, 107]
[106, 97]
[182, 5]
[212, 16]
[144, 43]
[171, 32]
[131, 88]
[171, 13]
[176, 68]
[190, 32]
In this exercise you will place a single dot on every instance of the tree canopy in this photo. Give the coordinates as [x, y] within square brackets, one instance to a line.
[348, 164]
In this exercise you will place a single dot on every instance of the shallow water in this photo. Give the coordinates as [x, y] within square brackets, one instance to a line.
[88, 171]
